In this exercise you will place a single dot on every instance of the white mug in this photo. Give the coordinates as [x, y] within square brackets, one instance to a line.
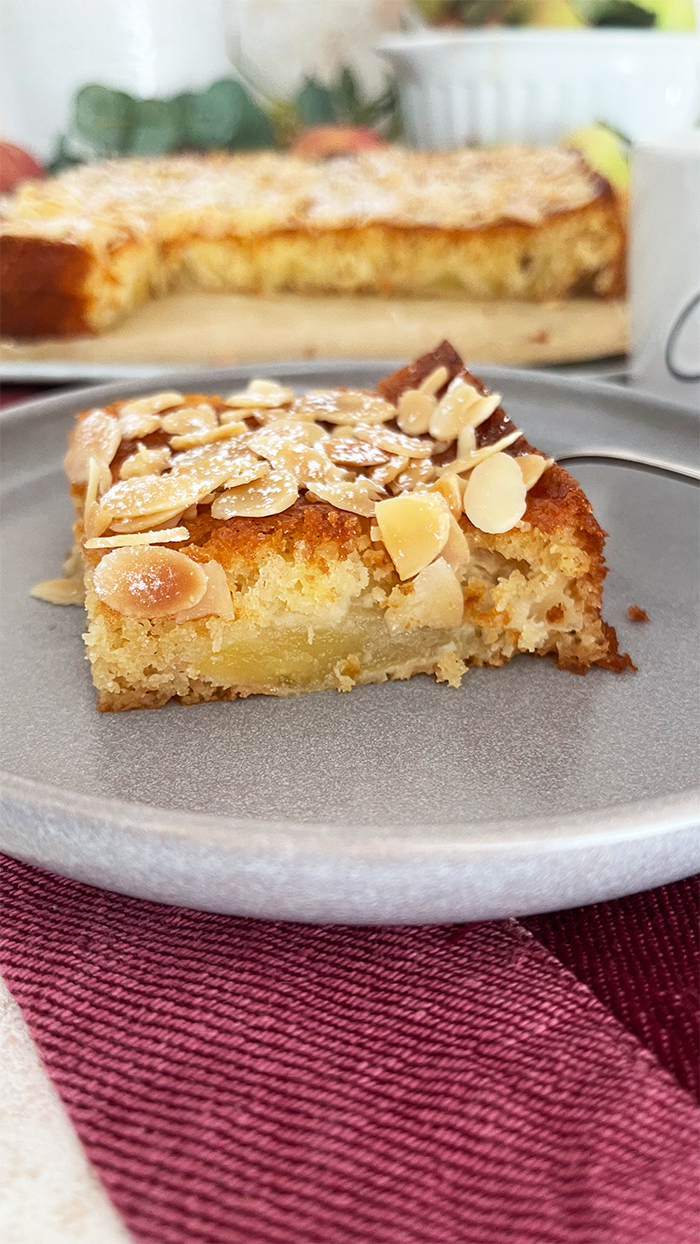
[664, 266]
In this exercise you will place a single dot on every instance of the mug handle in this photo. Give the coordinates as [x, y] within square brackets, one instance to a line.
[678, 326]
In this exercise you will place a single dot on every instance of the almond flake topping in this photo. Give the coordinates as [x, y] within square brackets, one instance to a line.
[533, 466]
[414, 528]
[97, 436]
[344, 406]
[435, 381]
[149, 582]
[469, 461]
[353, 453]
[190, 440]
[359, 497]
[216, 599]
[171, 535]
[270, 495]
[144, 522]
[260, 395]
[190, 419]
[145, 462]
[395, 442]
[415, 410]
[495, 497]
[151, 405]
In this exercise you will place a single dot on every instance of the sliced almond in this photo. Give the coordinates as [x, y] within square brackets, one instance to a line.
[190, 419]
[358, 496]
[353, 453]
[171, 535]
[448, 487]
[415, 410]
[414, 528]
[149, 582]
[60, 591]
[495, 497]
[483, 409]
[469, 461]
[145, 462]
[135, 426]
[216, 599]
[436, 601]
[99, 480]
[144, 522]
[229, 431]
[96, 519]
[245, 471]
[450, 413]
[466, 441]
[271, 495]
[344, 406]
[98, 436]
[416, 475]
[260, 394]
[456, 551]
[150, 494]
[533, 466]
[272, 388]
[394, 442]
[435, 381]
[386, 474]
[151, 405]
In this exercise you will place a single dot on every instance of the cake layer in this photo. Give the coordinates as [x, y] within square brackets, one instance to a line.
[92, 244]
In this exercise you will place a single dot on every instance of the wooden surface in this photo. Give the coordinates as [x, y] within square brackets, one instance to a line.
[215, 329]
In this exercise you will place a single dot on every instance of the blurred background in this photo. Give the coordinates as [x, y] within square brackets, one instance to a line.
[85, 80]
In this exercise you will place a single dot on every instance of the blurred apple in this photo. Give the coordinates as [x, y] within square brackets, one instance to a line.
[16, 165]
[604, 151]
[323, 141]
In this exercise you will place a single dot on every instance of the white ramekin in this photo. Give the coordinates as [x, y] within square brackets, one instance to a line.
[535, 85]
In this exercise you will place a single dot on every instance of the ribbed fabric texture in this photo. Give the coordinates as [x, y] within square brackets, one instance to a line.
[640, 956]
[243, 1082]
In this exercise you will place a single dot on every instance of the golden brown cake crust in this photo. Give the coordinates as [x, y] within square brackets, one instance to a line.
[42, 287]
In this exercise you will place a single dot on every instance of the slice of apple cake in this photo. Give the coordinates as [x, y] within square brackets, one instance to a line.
[274, 543]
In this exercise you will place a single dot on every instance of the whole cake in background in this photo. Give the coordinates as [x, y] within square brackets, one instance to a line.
[85, 248]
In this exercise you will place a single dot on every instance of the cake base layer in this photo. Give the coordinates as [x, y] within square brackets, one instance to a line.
[312, 617]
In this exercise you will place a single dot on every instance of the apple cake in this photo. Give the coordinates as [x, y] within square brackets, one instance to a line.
[272, 543]
[83, 249]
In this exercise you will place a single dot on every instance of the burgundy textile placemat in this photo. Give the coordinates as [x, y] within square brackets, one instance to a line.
[243, 1082]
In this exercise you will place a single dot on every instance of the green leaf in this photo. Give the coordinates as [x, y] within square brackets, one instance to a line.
[61, 158]
[315, 104]
[157, 127]
[624, 13]
[255, 128]
[346, 96]
[225, 116]
[104, 118]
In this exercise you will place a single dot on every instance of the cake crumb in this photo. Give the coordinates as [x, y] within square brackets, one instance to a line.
[635, 614]
[450, 669]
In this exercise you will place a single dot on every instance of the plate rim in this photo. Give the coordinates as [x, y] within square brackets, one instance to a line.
[642, 818]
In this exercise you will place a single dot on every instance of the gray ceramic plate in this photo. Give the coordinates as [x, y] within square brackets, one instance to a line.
[526, 790]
